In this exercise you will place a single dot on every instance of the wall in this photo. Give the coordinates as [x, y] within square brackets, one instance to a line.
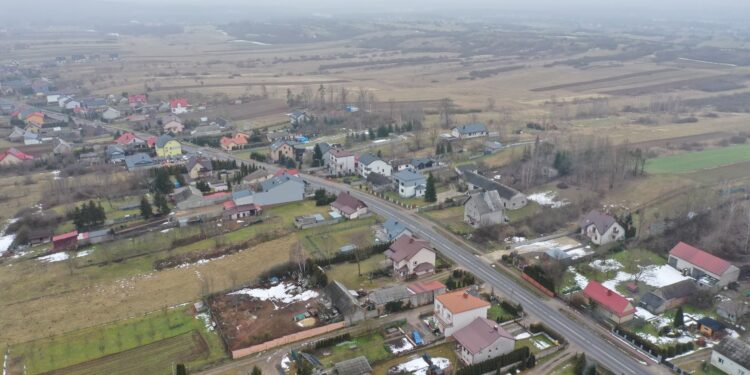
[239, 353]
[727, 365]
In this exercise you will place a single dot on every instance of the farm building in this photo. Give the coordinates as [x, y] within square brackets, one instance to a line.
[710, 270]
[667, 297]
[484, 209]
[344, 302]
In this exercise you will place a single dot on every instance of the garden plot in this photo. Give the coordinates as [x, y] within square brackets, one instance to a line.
[418, 366]
[548, 198]
[562, 243]
[281, 294]
[399, 345]
[655, 276]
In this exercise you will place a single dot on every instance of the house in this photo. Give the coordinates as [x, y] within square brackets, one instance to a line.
[39, 236]
[472, 130]
[424, 292]
[348, 306]
[422, 163]
[369, 163]
[110, 114]
[411, 256]
[601, 228]
[36, 118]
[711, 328]
[279, 136]
[139, 161]
[281, 189]
[378, 182]
[256, 177]
[199, 167]
[512, 199]
[348, 206]
[115, 154]
[668, 297]
[129, 139]
[394, 229]
[484, 209]
[410, 183]
[731, 356]
[13, 157]
[178, 106]
[733, 311]
[93, 104]
[238, 141]
[354, 366]
[32, 137]
[168, 147]
[456, 310]
[412, 295]
[298, 118]
[710, 270]
[482, 340]
[235, 212]
[608, 303]
[16, 135]
[65, 242]
[491, 147]
[62, 148]
[340, 162]
[282, 149]
[173, 126]
[90, 158]
[137, 99]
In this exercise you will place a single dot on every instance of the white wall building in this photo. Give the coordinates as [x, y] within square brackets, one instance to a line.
[456, 310]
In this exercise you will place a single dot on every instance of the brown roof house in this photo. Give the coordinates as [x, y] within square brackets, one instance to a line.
[348, 206]
[457, 309]
[601, 228]
[411, 256]
[668, 297]
[199, 167]
[482, 340]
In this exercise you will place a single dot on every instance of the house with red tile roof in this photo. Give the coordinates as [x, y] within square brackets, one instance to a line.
[710, 270]
[482, 340]
[239, 140]
[179, 105]
[136, 99]
[65, 242]
[13, 156]
[456, 310]
[411, 256]
[348, 206]
[129, 139]
[608, 303]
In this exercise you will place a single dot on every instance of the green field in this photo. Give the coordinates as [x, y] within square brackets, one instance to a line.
[347, 274]
[325, 241]
[699, 160]
[371, 346]
[149, 344]
[497, 313]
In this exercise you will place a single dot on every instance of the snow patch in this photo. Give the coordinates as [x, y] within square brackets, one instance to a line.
[606, 265]
[522, 336]
[403, 346]
[644, 314]
[285, 362]
[56, 257]
[547, 198]
[419, 366]
[581, 280]
[84, 253]
[206, 319]
[655, 276]
[285, 293]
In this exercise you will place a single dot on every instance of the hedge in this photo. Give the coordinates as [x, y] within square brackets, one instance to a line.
[538, 274]
[331, 341]
[664, 352]
[491, 365]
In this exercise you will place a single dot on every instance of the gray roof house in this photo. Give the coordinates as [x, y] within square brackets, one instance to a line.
[601, 228]
[393, 229]
[115, 154]
[472, 130]
[410, 183]
[667, 297]
[484, 209]
[277, 190]
[138, 161]
[732, 356]
[512, 199]
[355, 366]
[62, 148]
[732, 310]
[16, 135]
[162, 140]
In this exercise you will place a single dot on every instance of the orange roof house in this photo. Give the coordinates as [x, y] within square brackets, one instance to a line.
[239, 140]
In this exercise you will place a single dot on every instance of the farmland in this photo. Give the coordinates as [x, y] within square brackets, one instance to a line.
[706, 159]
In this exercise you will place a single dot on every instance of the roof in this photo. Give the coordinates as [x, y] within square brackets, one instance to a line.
[355, 366]
[278, 180]
[347, 204]
[283, 171]
[114, 149]
[608, 299]
[377, 179]
[324, 147]
[505, 192]
[480, 334]
[282, 142]
[711, 323]
[680, 289]
[406, 247]
[162, 140]
[138, 159]
[339, 153]
[475, 127]
[426, 286]
[341, 298]
[700, 258]
[651, 301]
[393, 228]
[127, 138]
[599, 219]
[179, 102]
[736, 350]
[487, 202]
[16, 153]
[460, 301]
[204, 163]
[384, 295]
[557, 253]
[368, 158]
[65, 236]
[408, 175]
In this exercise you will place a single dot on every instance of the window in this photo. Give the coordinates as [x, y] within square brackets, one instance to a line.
[721, 360]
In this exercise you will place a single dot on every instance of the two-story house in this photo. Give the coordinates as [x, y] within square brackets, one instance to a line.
[410, 183]
[411, 256]
[457, 309]
[482, 340]
[340, 162]
[168, 147]
[282, 149]
[369, 163]
[601, 228]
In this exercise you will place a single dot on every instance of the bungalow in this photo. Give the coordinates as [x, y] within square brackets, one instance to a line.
[340, 162]
[139, 161]
[422, 163]
[512, 199]
[298, 118]
[482, 340]
[608, 303]
[65, 242]
[178, 106]
[457, 309]
[710, 270]
[412, 295]
[668, 297]
[731, 356]
[410, 183]
[484, 209]
[173, 126]
[411, 256]
[711, 328]
[111, 114]
[238, 141]
[13, 157]
[39, 236]
[130, 139]
[168, 147]
[199, 167]
[115, 154]
[348, 206]
[472, 130]
[282, 149]
[601, 228]
[235, 212]
[369, 163]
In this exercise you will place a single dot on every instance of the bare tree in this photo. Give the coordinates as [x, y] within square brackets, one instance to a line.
[361, 242]
[344, 97]
[445, 111]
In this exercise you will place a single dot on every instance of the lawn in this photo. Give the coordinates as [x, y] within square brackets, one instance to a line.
[170, 334]
[531, 209]
[705, 159]
[451, 218]
[535, 343]
[496, 311]
[446, 350]
[371, 346]
[632, 258]
[326, 241]
[347, 274]
[393, 196]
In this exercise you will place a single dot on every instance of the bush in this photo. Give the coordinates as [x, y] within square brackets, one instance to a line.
[331, 341]
[537, 273]
[519, 355]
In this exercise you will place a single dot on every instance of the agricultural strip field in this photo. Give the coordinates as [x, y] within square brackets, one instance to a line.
[574, 85]
[146, 345]
[699, 160]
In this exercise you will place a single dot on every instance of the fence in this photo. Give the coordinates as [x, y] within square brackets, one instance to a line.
[288, 339]
[537, 285]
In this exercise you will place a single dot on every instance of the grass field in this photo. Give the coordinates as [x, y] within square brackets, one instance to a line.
[706, 159]
[148, 344]
[371, 346]
[326, 241]
[347, 274]
[451, 218]
[497, 312]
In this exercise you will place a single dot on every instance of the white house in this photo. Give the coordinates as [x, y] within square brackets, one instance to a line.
[456, 310]
[601, 228]
[472, 130]
[340, 162]
[369, 163]
[732, 356]
[710, 270]
[482, 340]
[110, 114]
[411, 256]
[410, 183]
[348, 206]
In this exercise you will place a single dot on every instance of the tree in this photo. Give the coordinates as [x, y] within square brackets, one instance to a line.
[180, 369]
[146, 210]
[318, 155]
[256, 371]
[203, 186]
[449, 148]
[679, 318]
[161, 203]
[430, 194]
[304, 367]
[580, 364]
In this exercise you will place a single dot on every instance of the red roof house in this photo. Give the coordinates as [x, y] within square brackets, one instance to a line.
[348, 206]
[483, 339]
[609, 304]
[128, 138]
[239, 140]
[137, 99]
[13, 156]
[283, 171]
[706, 267]
[65, 242]
[179, 105]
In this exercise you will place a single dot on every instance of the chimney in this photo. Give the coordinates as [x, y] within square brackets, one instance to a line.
[497, 328]
[609, 292]
[466, 295]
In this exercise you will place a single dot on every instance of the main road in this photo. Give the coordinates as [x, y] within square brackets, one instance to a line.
[581, 335]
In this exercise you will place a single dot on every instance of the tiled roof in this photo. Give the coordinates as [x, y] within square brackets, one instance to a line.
[406, 247]
[601, 220]
[736, 350]
[65, 236]
[608, 299]
[700, 258]
[347, 204]
[180, 102]
[460, 301]
[480, 334]
[425, 286]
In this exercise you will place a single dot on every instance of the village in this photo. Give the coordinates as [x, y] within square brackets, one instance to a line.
[322, 230]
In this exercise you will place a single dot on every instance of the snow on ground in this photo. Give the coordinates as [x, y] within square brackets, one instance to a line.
[522, 336]
[84, 253]
[56, 257]
[515, 239]
[404, 346]
[285, 362]
[644, 314]
[419, 366]
[540, 344]
[620, 278]
[579, 253]
[662, 340]
[604, 265]
[283, 293]
[165, 230]
[206, 319]
[547, 198]
[581, 280]
[5, 242]
[655, 276]
[542, 246]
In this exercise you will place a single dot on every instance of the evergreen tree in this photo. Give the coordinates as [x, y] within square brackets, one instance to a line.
[161, 203]
[162, 183]
[380, 153]
[449, 148]
[430, 194]
[146, 210]
[580, 364]
[562, 163]
[180, 369]
[317, 156]
[679, 318]
[256, 371]
[371, 133]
